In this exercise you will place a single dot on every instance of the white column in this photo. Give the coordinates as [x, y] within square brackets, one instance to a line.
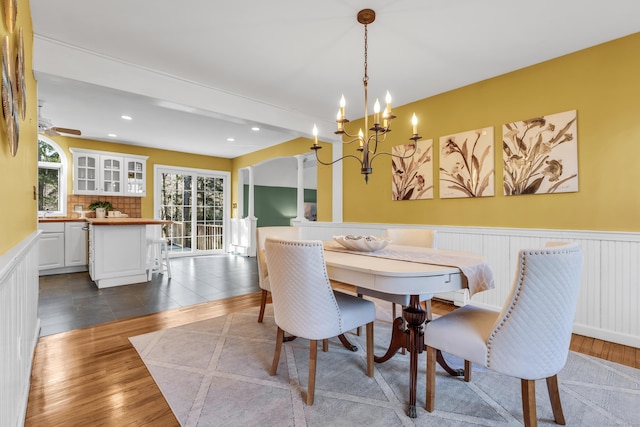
[250, 211]
[336, 192]
[300, 199]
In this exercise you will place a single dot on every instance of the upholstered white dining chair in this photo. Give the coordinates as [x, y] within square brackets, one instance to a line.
[305, 304]
[406, 237]
[292, 233]
[529, 339]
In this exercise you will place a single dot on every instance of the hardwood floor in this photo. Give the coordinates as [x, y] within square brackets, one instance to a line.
[94, 376]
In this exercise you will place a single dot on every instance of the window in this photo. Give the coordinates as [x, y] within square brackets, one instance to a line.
[52, 178]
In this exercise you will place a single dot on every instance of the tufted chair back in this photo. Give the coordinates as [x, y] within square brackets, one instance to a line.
[303, 301]
[290, 233]
[531, 336]
[413, 237]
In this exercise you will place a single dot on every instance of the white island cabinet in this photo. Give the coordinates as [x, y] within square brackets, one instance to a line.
[118, 250]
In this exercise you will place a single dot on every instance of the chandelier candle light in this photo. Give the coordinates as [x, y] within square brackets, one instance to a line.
[368, 141]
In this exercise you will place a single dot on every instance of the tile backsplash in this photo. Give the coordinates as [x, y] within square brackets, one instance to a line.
[131, 206]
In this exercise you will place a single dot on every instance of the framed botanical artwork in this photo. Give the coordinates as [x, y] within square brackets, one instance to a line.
[21, 86]
[412, 174]
[467, 164]
[541, 155]
[9, 100]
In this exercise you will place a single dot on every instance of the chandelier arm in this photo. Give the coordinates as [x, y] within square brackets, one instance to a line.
[337, 160]
[415, 147]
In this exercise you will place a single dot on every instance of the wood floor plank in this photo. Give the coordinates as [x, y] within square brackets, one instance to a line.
[94, 376]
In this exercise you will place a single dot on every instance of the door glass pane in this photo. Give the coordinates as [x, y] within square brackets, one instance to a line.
[175, 206]
[209, 214]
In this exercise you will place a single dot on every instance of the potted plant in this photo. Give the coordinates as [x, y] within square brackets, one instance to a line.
[101, 207]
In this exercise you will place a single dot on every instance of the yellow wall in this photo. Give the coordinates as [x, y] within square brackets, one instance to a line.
[602, 83]
[290, 148]
[18, 209]
[156, 157]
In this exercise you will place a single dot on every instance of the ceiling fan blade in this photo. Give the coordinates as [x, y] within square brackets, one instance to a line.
[66, 130]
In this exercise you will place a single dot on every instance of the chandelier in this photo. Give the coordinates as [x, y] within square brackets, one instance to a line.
[374, 135]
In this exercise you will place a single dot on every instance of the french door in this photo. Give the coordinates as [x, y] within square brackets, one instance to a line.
[196, 203]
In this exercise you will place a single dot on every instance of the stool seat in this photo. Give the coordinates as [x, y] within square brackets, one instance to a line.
[158, 257]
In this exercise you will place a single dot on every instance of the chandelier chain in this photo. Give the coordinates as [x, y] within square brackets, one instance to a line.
[366, 58]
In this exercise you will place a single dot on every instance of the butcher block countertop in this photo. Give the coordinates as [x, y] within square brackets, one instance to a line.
[126, 221]
[61, 219]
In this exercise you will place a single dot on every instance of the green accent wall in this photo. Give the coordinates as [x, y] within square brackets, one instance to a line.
[274, 206]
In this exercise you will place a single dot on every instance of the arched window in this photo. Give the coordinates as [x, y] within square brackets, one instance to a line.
[52, 178]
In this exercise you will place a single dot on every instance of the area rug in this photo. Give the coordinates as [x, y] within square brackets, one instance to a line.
[215, 373]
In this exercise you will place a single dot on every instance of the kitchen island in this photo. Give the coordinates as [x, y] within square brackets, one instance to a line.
[118, 250]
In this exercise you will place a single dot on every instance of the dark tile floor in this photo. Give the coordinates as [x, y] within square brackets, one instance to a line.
[72, 301]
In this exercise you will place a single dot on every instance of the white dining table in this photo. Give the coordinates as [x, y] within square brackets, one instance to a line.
[403, 277]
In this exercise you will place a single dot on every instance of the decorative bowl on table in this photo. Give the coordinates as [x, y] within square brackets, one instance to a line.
[362, 243]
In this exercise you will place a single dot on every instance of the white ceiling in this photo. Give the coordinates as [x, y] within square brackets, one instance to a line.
[193, 73]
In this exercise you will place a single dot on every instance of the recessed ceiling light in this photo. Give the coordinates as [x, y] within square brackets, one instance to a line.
[112, 135]
[255, 128]
[230, 139]
[126, 117]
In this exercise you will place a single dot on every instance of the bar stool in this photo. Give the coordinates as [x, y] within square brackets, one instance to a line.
[157, 257]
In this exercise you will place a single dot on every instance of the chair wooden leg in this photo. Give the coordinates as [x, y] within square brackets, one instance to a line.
[313, 356]
[276, 353]
[554, 396]
[325, 345]
[359, 329]
[263, 304]
[370, 349]
[427, 308]
[529, 402]
[431, 378]
[467, 370]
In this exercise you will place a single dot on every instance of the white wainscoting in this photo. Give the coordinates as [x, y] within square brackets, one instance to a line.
[243, 237]
[19, 327]
[610, 290]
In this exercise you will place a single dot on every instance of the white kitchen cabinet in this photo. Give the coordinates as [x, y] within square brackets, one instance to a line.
[86, 173]
[75, 243]
[51, 246]
[63, 247]
[108, 174]
[111, 174]
[135, 176]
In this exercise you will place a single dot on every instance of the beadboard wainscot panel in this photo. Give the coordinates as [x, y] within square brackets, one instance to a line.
[610, 290]
[19, 327]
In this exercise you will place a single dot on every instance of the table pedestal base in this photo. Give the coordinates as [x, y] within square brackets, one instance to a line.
[411, 337]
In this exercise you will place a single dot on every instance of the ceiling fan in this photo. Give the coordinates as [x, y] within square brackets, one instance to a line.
[45, 126]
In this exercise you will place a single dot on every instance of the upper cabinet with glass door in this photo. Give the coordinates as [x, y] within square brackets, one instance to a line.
[86, 173]
[135, 176]
[108, 174]
[111, 175]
